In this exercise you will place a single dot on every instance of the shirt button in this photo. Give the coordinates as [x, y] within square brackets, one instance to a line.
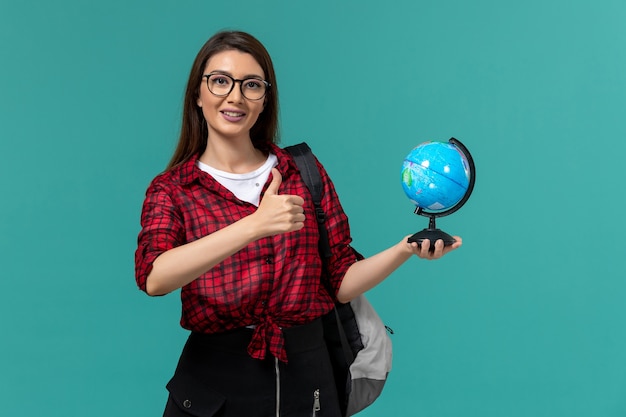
[268, 260]
[187, 404]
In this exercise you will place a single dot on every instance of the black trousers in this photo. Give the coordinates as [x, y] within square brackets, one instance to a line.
[215, 376]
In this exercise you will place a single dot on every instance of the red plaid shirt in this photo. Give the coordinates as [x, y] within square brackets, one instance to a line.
[272, 283]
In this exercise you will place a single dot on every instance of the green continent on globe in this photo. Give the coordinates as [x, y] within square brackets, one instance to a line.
[407, 178]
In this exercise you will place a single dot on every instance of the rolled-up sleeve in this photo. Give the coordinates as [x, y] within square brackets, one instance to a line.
[161, 230]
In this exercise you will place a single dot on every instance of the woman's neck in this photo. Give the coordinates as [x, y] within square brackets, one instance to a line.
[236, 156]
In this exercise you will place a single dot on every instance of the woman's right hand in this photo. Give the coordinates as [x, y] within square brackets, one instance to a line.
[279, 213]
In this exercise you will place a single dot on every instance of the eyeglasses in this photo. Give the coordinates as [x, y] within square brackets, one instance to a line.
[221, 85]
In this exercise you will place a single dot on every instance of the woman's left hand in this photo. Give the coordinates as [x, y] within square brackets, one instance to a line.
[424, 252]
[369, 272]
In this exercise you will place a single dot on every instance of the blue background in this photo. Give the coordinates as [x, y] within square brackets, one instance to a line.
[527, 319]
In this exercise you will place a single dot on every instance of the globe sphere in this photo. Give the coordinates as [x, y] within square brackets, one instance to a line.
[435, 175]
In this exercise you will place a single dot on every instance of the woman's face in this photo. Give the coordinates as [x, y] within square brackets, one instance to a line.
[233, 115]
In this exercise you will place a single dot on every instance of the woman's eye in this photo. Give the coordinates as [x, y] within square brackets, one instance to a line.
[220, 80]
[253, 84]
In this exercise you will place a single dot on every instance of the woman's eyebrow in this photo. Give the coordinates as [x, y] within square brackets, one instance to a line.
[245, 77]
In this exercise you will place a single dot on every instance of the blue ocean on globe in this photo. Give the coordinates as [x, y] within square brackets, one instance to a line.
[435, 175]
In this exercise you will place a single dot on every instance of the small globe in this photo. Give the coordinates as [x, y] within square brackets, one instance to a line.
[435, 175]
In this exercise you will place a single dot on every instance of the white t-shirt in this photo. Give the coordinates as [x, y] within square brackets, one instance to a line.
[246, 187]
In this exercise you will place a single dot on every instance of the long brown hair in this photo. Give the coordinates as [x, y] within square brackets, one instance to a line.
[194, 131]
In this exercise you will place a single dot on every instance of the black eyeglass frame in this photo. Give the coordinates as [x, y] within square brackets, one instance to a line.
[234, 80]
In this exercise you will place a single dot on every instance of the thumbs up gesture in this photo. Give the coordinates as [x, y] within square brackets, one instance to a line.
[279, 213]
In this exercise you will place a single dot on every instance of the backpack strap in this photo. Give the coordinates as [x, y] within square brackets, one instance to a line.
[304, 159]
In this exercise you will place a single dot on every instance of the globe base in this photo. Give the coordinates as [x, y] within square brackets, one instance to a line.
[432, 235]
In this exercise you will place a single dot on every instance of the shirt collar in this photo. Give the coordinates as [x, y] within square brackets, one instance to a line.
[188, 171]
[286, 164]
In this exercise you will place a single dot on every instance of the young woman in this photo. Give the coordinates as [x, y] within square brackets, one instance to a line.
[231, 223]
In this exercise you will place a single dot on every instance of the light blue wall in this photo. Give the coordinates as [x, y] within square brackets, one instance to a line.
[528, 319]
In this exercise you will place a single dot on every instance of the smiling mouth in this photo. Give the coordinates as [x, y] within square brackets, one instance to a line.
[233, 114]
